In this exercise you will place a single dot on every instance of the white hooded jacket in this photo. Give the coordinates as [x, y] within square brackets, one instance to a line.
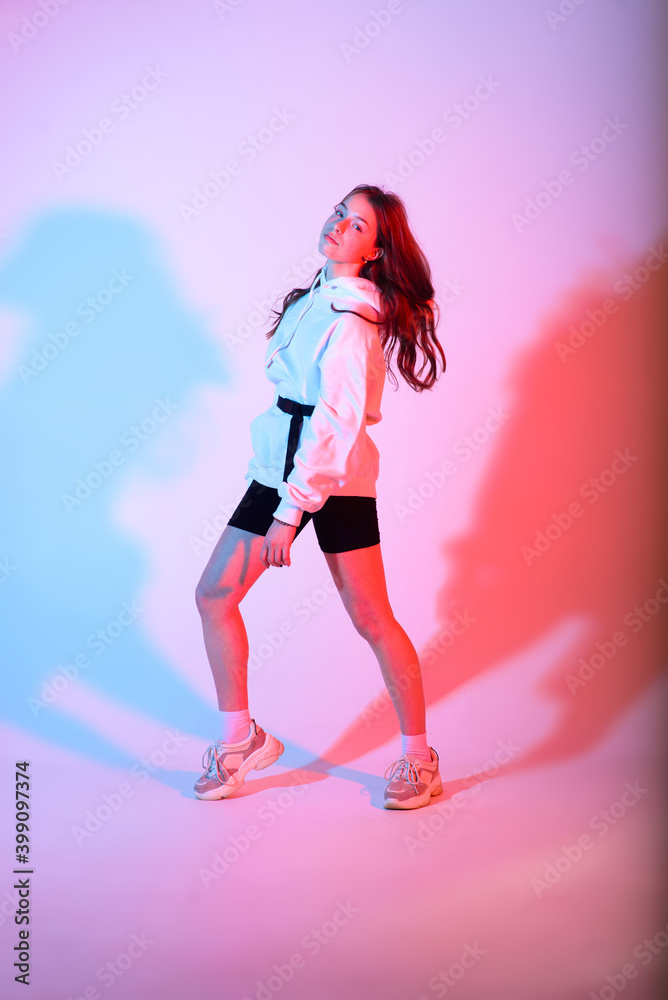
[335, 362]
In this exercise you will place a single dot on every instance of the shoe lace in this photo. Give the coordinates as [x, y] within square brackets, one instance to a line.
[404, 768]
[212, 763]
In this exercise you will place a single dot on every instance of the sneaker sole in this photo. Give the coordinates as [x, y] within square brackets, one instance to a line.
[417, 800]
[268, 754]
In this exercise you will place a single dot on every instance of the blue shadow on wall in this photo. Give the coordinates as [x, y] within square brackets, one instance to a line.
[111, 350]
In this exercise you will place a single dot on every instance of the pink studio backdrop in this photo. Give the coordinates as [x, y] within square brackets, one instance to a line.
[173, 162]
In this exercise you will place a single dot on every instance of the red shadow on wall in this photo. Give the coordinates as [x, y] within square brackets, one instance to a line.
[585, 429]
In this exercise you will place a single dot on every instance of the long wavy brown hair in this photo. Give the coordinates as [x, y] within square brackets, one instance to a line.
[402, 274]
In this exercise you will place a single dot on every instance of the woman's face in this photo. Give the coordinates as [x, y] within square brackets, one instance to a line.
[352, 225]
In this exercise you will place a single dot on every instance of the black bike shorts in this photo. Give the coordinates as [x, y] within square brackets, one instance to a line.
[341, 524]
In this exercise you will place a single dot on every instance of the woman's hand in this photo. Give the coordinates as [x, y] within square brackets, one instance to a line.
[276, 548]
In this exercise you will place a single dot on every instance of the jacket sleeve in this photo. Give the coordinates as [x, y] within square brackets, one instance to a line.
[334, 435]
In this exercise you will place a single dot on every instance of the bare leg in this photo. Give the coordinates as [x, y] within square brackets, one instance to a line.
[359, 577]
[231, 571]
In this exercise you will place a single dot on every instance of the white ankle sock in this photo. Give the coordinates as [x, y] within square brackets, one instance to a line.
[235, 726]
[416, 746]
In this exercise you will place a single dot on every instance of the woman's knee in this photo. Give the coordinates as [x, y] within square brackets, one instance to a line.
[213, 596]
[203, 595]
[232, 569]
[373, 624]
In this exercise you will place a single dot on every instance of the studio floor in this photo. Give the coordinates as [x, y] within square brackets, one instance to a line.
[304, 885]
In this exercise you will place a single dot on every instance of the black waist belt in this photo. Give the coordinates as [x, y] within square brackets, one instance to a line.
[298, 411]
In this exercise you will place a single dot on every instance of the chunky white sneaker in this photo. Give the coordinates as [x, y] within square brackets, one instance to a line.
[412, 782]
[227, 765]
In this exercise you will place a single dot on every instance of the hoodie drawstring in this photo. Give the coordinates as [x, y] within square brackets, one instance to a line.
[316, 281]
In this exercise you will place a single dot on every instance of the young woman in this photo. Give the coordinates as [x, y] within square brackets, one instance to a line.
[328, 355]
